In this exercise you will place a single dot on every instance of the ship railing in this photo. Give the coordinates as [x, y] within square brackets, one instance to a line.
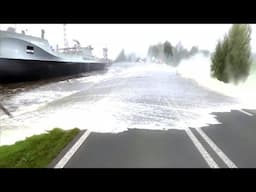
[76, 51]
[64, 50]
[71, 49]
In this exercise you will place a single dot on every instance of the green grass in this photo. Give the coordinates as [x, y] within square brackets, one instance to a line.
[36, 151]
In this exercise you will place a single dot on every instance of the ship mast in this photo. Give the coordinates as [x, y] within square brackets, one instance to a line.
[65, 37]
[105, 53]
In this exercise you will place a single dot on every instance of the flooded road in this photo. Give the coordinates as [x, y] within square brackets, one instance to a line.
[126, 96]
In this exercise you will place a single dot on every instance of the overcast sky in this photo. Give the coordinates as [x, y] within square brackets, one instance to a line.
[132, 37]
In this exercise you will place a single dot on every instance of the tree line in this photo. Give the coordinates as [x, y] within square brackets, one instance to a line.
[165, 52]
[172, 54]
[122, 56]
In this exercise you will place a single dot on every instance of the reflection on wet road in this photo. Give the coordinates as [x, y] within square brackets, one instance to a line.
[128, 95]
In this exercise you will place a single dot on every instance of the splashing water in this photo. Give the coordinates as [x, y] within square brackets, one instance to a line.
[198, 69]
[129, 95]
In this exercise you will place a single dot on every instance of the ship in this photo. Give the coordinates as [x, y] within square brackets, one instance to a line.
[24, 58]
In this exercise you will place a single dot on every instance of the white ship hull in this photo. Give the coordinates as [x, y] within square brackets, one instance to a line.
[29, 58]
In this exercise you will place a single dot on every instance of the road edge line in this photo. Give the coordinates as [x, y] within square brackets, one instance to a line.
[72, 150]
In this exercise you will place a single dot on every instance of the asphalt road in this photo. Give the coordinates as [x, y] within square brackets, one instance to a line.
[236, 137]
[137, 148]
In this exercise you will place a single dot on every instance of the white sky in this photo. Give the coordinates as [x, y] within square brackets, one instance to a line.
[132, 37]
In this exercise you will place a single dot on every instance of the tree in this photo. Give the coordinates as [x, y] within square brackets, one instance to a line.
[168, 49]
[131, 57]
[121, 57]
[153, 51]
[231, 60]
[239, 57]
[205, 52]
[218, 68]
[193, 50]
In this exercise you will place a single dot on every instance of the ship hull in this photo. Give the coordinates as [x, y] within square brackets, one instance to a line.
[17, 70]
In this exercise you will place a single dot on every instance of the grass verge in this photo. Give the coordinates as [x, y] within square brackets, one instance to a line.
[37, 151]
